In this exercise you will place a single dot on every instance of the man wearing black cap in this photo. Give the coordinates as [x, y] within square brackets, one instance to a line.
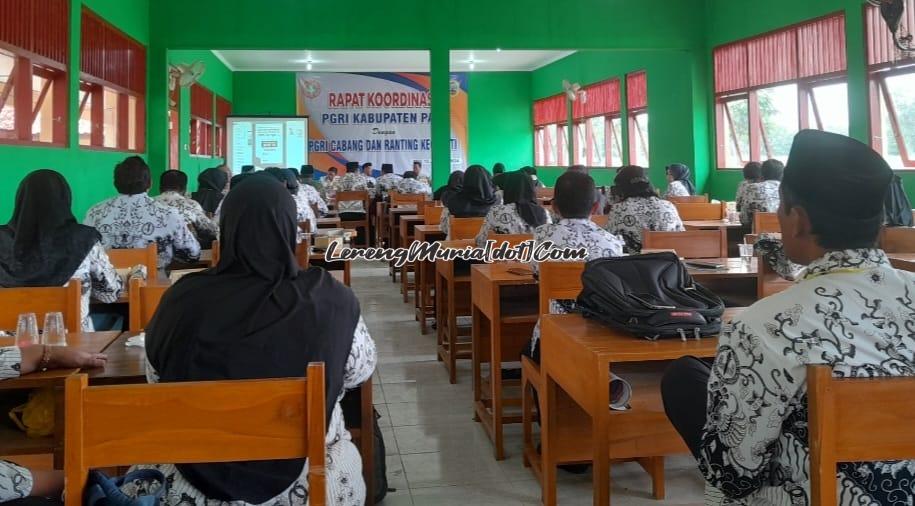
[351, 181]
[173, 193]
[309, 193]
[388, 179]
[745, 417]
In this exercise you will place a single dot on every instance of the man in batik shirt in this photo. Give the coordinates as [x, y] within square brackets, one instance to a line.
[388, 180]
[351, 181]
[173, 188]
[761, 197]
[409, 185]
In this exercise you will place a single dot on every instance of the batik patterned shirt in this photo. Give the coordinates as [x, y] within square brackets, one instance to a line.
[742, 193]
[413, 187]
[676, 189]
[632, 216]
[192, 213]
[852, 311]
[313, 197]
[98, 280]
[349, 182]
[388, 182]
[304, 213]
[504, 219]
[759, 197]
[15, 481]
[133, 221]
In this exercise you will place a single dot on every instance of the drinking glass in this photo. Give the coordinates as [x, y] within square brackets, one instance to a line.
[746, 252]
[27, 330]
[54, 332]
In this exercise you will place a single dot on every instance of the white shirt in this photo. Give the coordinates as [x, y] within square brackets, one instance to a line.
[351, 181]
[133, 221]
[413, 187]
[313, 197]
[759, 197]
[388, 182]
[191, 211]
[851, 310]
[630, 217]
[99, 281]
[504, 219]
[15, 481]
[676, 189]
[304, 213]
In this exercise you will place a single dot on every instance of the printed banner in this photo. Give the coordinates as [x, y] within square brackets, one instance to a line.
[377, 117]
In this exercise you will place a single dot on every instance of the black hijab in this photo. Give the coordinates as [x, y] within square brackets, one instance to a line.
[43, 245]
[455, 182]
[681, 173]
[210, 184]
[255, 315]
[519, 190]
[476, 196]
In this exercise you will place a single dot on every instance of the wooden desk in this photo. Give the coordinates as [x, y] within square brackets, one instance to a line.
[577, 424]
[394, 215]
[423, 298]
[329, 222]
[903, 261]
[338, 269]
[452, 299]
[501, 328]
[408, 224]
[734, 268]
[710, 225]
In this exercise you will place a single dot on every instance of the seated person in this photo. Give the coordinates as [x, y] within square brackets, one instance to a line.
[212, 185]
[639, 208]
[498, 172]
[418, 170]
[455, 182]
[477, 195]
[520, 214]
[678, 182]
[349, 182]
[409, 185]
[43, 245]
[173, 188]
[532, 172]
[133, 219]
[752, 173]
[304, 212]
[745, 417]
[270, 319]
[388, 180]
[574, 201]
[309, 194]
[313, 189]
[17, 482]
[762, 197]
[367, 172]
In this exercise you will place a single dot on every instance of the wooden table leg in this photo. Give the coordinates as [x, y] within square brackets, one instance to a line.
[452, 332]
[439, 313]
[476, 360]
[548, 441]
[495, 381]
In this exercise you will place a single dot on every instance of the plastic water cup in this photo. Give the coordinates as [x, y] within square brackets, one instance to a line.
[746, 252]
[27, 330]
[54, 332]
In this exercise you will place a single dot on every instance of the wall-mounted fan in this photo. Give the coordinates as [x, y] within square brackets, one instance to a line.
[574, 92]
[892, 12]
[184, 75]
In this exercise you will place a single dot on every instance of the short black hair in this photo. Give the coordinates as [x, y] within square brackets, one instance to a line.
[772, 170]
[832, 233]
[173, 180]
[498, 168]
[247, 169]
[131, 176]
[332, 170]
[574, 195]
[578, 168]
[366, 164]
[752, 171]
[417, 162]
[387, 168]
[409, 175]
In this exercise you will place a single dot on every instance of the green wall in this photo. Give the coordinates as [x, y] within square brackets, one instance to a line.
[499, 108]
[90, 172]
[251, 97]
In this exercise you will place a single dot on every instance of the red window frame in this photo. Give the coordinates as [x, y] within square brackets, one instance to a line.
[223, 109]
[551, 112]
[637, 105]
[202, 121]
[603, 100]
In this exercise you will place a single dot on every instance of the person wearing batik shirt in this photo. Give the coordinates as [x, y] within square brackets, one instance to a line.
[313, 189]
[367, 173]
[752, 173]
[349, 182]
[762, 197]
[388, 180]
[418, 170]
[17, 482]
[573, 198]
[639, 209]
[133, 219]
[476, 197]
[520, 214]
[678, 181]
[173, 185]
[409, 185]
[328, 192]
[745, 418]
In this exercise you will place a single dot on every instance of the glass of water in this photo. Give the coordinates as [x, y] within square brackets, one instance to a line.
[55, 334]
[746, 252]
[27, 330]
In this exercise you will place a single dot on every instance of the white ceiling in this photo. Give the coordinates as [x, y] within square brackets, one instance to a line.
[383, 61]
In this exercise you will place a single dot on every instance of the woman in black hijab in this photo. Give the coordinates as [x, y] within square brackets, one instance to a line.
[639, 208]
[210, 185]
[678, 181]
[477, 195]
[258, 315]
[455, 182]
[520, 214]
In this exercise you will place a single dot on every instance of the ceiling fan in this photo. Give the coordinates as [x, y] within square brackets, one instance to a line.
[892, 12]
[574, 92]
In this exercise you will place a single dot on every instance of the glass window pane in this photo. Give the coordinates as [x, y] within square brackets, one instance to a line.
[7, 110]
[43, 126]
[598, 140]
[902, 91]
[132, 123]
[642, 149]
[110, 128]
[616, 142]
[832, 105]
[551, 151]
[581, 143]
[890, 148]
[564, 153]
[85, 119]
[737, 133]
[779, 115]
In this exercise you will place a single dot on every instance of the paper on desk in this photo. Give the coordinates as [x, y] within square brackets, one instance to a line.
[620, 393]
[138, 340]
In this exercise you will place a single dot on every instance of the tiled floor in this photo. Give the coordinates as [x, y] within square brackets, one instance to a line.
[436, 453]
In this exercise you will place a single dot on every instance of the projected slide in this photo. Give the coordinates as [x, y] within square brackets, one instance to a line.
[267, 142]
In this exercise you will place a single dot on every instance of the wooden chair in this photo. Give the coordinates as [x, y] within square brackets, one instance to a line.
[42, 300]
[689, 244]
[855, 420]
[127, 258]
[691, 199]
[513, 240]
[405, 199]
[432, 215]
[214, 251]
[545, 193]
[363, 223]
[464, 228]
[215, 421]
[768, 282]
[897, 239]
[144, 299]
[303, 253]
[701, 212]
[766, 223]
[600, 220]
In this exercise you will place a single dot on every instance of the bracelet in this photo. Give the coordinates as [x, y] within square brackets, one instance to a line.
[45, 358]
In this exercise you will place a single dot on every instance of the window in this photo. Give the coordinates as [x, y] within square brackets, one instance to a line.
[637, 105]
[639, 135]
[201, 121]
[892, 91]
[769, 87]
[551, 133]
[223, 109]
[594, 118]
[174, 102]
[112, 112]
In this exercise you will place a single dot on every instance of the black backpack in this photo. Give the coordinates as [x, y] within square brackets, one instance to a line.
[897, 206]
[652, 296]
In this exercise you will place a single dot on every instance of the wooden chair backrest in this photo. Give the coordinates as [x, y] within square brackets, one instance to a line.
[897, 239]
[600, 220]
[464, 228]
[214, 253]
[432, 215]
[512, 239]
[353, 196]
[214, 421]
[689, 244]
[545, 193]
[691, 199]
[855, 420]
[559, 280]
[691, 211]
[303, 253]
[42, 300]
[127, 258]
[398, 198]
[768, 281]
[144, 300]
[766, 223]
